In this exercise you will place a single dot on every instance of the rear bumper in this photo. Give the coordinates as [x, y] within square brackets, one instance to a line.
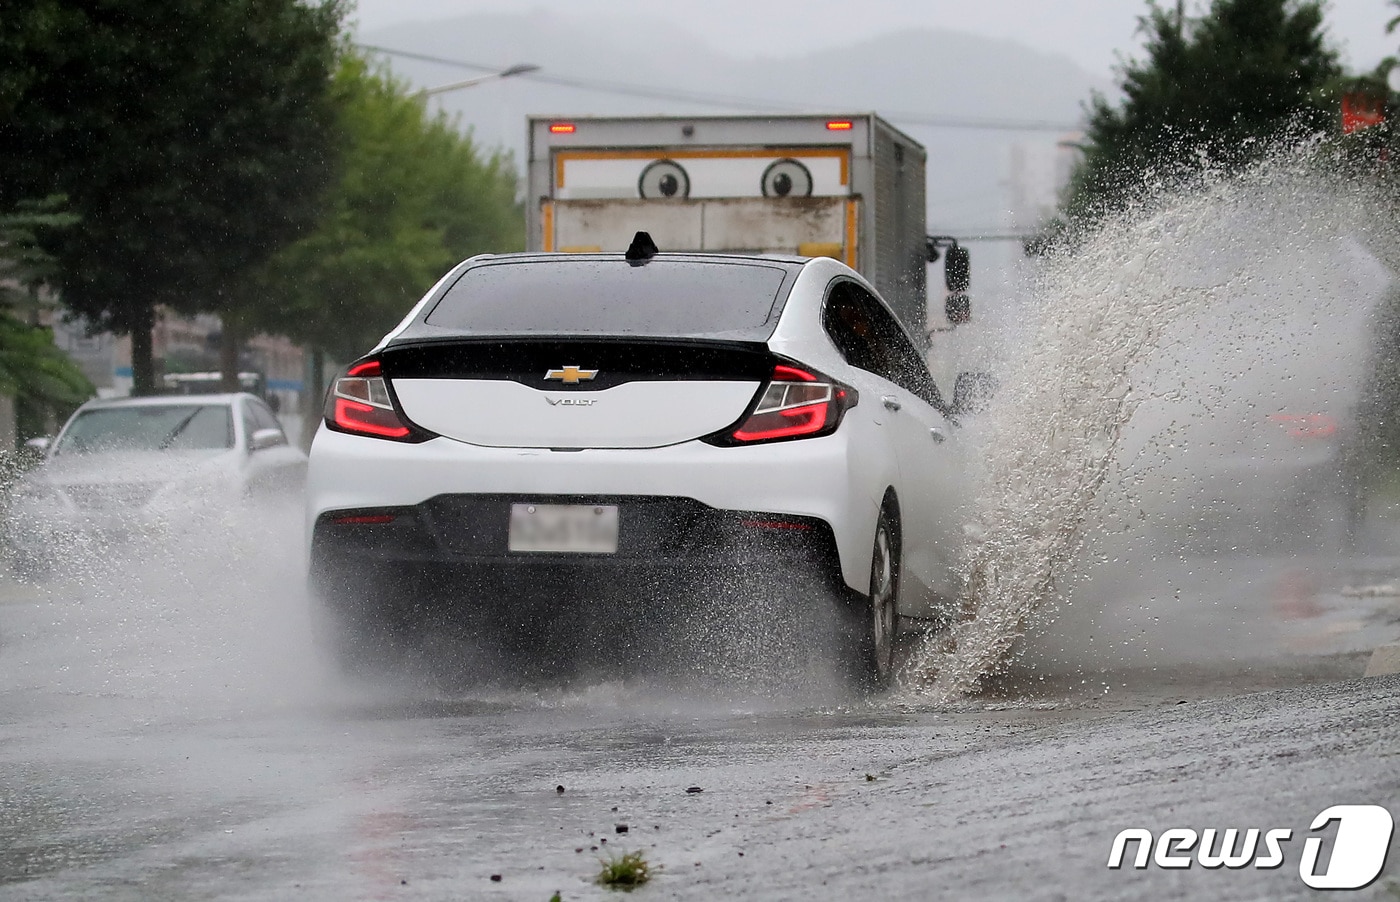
[456, 546]
[679, 501]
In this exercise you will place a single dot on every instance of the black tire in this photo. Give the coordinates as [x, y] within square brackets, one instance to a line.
[874, 617]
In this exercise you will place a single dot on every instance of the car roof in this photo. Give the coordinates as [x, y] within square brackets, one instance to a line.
[787, 261]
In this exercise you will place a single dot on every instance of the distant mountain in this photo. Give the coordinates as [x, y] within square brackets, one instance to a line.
[914, 78]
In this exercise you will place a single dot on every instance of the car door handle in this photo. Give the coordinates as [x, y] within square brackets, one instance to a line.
[937, 435]
[891, 402]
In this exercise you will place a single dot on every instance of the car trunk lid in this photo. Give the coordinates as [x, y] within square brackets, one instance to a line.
[575, 394]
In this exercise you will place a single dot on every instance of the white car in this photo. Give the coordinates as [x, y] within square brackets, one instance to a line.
[128, 466]
[606, 419]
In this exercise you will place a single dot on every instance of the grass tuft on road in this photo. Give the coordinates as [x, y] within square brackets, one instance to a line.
[625, 872]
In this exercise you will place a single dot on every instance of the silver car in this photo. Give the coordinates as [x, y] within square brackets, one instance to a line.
[132, 466]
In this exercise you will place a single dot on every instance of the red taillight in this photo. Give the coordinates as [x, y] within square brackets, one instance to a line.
[775, 524]
[796, 403]
[792, 374]
[363, 519]
[789, 422]
[359, 403]
[367, 419]
[1306, 425]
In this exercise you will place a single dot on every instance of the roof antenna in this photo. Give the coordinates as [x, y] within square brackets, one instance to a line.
[641, 250]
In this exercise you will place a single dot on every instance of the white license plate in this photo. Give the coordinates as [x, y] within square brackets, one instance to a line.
[564, 528]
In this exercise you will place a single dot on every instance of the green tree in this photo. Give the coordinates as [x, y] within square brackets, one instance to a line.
[44, 382]
[414, 197]
[1213, 91]
[192, 137]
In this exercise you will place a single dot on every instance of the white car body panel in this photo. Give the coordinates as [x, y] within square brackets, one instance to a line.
[927, 476]
[504, 414]
[352, 472]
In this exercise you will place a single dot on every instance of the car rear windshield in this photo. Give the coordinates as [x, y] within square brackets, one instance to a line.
[163, 427]
[681, 298]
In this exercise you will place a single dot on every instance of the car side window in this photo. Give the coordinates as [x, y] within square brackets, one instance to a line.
[249, 427]
[261, 416]
[869, 337]
[846, 319]
[909, 367]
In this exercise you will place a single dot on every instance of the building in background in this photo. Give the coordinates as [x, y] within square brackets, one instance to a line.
[189, 345]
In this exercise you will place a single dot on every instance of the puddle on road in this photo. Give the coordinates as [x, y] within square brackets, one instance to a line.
[1178, 387]
[206, 616]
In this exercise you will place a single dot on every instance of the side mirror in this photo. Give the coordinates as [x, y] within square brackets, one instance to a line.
[957, 269]
[958, 308]
[39, 445]
[973, 392]
[266, 438]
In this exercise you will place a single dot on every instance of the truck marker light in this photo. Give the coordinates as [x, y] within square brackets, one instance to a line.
[562, 128]
[838, 125]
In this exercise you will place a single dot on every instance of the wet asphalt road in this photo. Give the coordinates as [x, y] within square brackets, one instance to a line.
[164, 740]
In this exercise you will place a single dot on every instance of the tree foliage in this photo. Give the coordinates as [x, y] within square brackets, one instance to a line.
[44, 382]
[192, 137]
[1213, 91]
[414, 197]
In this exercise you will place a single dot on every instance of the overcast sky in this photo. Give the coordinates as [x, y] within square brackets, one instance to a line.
[1091, 32]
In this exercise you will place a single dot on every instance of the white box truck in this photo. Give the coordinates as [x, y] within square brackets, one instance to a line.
[844, 186]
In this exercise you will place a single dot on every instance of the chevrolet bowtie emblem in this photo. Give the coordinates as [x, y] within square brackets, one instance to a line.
[571, 375]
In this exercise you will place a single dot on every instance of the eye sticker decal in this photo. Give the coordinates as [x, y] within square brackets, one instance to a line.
[787, 178]
[663, 178]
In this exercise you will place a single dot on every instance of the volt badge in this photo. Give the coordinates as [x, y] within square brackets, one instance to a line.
[571, 375]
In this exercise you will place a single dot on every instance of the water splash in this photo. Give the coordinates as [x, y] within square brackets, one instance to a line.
[1101, 338]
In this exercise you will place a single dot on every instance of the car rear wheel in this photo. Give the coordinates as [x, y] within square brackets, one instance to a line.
[874, 623]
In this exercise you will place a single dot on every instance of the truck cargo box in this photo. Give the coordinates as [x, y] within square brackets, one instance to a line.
[844, 186]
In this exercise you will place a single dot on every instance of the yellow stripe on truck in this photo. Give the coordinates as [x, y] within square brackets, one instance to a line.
[830, 249]
[851, 210]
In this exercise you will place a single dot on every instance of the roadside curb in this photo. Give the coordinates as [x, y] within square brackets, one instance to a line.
[1384, 660]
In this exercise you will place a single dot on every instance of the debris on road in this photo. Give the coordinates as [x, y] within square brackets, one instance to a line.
[625, 872]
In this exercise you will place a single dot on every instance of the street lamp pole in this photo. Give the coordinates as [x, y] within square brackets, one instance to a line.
[518, 69]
